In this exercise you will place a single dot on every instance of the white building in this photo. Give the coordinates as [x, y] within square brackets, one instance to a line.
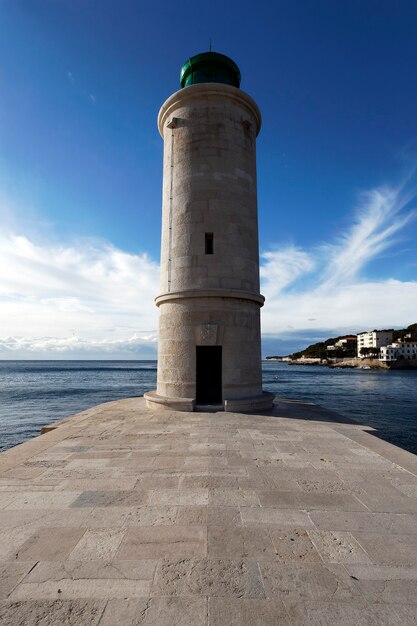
[398, 350]
[344, 343]
[374, 339]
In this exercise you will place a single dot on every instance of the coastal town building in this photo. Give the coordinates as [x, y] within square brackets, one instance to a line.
[209, 346]
[398, 350]
[373, 339]
[346, 343]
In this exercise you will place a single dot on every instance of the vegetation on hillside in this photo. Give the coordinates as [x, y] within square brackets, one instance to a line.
[319, 350]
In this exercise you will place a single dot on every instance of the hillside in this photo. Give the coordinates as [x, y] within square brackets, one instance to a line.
[319, 350]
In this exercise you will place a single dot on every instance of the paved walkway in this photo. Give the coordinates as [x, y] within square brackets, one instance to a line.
[123, 516]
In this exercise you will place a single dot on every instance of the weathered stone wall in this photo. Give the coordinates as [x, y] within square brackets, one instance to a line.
[209, 187]
[209, 133]
[187, 323]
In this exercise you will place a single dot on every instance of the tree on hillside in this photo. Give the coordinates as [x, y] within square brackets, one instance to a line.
[369, 352]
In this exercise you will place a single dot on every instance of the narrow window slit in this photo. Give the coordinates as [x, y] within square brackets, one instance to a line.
[209, 243]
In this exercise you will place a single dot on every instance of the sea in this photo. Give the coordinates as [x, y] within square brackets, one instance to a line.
[36, 393]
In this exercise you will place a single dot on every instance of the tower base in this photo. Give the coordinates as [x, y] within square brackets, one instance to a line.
[264, 402]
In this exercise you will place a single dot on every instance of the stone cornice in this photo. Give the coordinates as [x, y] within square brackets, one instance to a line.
[210, 293]
[207, 90]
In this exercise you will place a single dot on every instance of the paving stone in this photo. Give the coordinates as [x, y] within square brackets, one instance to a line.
[208, 482]
[381, 497]
[83, 570]
[200, 462]
[294, 546]
[178, 496]
[49, 544]
[104, 517]
[386, 549]
[323, 484]
[87, 463]
[283, 518]
[97, 544]
[82, 588]
[239, 543]
[223, 496]
[142, 462]
[393, 615]
[11, 573]
[240, 611]
[321, 613]
[201, 447]
[16, 484]
[385, 584]
[109, 498]
[224, 516]
[392, 523]
[157, 542]
[42, 500]
[151, 516]
[338, 547]
[191, 515]
[156, 612]
[98, 484]
[34, 518]
[102, 454]
[162, 461]
[53, 454]
[310, 501]
[208, 577]
[11, 541]
[299, 582]
[22, 472]
[126, 611]
[154, 481]
[51, 613]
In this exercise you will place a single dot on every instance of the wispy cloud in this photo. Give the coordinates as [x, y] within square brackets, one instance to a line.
[379, 217]
[281, 268]
[82, 90]
[339, 296]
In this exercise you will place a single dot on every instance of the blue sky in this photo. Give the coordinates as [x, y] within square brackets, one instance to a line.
[81, 162]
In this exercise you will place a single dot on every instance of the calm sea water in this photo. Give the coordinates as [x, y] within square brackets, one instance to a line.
[36, 393]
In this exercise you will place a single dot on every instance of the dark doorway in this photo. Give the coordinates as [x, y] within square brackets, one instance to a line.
[209, 375]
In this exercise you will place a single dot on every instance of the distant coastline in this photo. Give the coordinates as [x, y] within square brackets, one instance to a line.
[376, 349]
[356, 362]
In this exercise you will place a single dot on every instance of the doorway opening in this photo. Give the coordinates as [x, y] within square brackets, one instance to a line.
[209, 375]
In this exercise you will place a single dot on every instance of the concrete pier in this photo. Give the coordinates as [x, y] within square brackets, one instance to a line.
[127, 516]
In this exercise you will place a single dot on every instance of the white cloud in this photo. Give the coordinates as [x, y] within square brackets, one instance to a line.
[281, 268]
[340, 296]
[89, 296]
[379, 217]
[68, 345]
[91, 299]
[350, 308]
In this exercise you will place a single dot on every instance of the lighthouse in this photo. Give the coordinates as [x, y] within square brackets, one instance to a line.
[209, 346]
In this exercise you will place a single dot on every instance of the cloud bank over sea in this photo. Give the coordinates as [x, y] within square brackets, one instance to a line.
[75, 300]
[88, 299]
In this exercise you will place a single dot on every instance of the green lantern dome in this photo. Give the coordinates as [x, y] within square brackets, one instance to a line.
[210, 67]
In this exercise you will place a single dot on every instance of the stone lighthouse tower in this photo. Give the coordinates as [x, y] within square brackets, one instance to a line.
[209, 349]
